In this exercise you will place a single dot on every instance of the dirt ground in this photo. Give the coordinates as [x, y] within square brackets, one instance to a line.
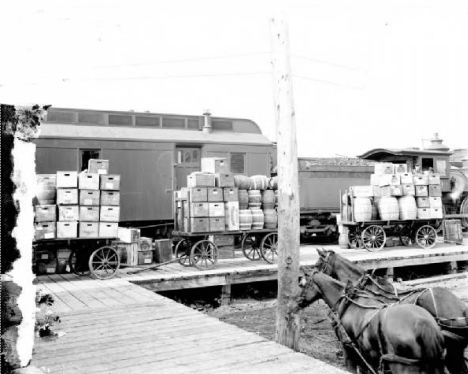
[317, 337]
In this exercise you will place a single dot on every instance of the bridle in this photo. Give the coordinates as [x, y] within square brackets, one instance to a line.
[328, 263]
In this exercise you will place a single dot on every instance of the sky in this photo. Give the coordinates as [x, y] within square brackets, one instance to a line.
[366, 74]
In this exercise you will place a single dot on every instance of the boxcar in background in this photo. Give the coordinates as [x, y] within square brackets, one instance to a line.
[153, 153]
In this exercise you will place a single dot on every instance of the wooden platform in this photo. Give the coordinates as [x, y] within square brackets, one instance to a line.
[120, 328]
[242, 270]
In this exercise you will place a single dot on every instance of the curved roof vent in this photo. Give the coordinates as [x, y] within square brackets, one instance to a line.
[437, 145]
[207, 127]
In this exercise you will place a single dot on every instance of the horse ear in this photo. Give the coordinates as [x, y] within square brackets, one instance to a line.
[321, 254]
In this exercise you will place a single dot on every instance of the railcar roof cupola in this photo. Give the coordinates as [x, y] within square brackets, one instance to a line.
[436, 144]
[207, 127]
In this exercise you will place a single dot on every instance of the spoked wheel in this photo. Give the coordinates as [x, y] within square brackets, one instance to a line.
[251, 247]
[204, 255]
[426, 236]
[182, 252]
[373, 238]
[104, 262]
[269, 247]
[354, 239]
[78, 263]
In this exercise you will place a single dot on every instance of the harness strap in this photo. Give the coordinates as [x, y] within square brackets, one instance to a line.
[399, 359]
[451, 335]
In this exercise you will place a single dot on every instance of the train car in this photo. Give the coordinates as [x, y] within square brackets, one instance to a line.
[436, 158]
[153, 153]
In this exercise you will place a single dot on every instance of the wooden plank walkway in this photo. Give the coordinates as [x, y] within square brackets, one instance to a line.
[241, 270]
[117, 327]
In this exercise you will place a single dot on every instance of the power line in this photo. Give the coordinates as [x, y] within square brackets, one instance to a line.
[182, 60]
[328, 82]
[326, 62]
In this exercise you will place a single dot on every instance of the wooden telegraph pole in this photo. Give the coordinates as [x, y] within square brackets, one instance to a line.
[287, 321]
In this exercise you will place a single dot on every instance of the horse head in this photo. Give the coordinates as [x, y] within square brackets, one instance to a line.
[309, 291]
[326, 261]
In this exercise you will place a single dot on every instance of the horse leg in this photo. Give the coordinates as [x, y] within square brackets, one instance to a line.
[455, 359]
[350, 360]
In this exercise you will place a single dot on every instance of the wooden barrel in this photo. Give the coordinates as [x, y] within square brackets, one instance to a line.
[268, 199]
[243, 199]
[258, 219]
[258, 182]
[271, 218]
[362, 209]
[388, 208]
[408, 208]
[242, 182]
[245, 219]
[273, 183]
[255, 199]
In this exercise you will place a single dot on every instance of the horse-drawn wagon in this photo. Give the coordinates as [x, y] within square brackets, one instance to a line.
[197, 247]
[372, 233]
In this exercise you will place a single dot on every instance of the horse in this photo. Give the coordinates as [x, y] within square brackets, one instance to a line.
[449, 311]
[377, 337]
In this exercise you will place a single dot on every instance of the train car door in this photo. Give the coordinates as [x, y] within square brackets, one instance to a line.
[187, 161]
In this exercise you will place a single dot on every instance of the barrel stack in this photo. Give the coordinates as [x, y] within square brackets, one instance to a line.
[395, 193]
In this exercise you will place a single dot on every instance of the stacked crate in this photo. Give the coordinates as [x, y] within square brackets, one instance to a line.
[128, 245]
[45, 207]
[394, 180]
[67, 201]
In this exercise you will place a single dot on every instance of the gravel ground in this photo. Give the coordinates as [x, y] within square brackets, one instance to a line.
[317, 337]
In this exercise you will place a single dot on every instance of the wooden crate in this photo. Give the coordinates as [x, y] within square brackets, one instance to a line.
[129, 235]
[437, 213]
[396, 190]
[67, 179]
[45, 230]
[46, 180]
[408, 189]
[224, 180]
[109, 214]
[434, 178]
[88, 181]
[406, 178]
[98, 166]
[226, 252]
[216, 209]
[435, 202]
[196, 194]
[215, 194]
[145, 244]
[196, 209]
[67, 196]
[231, 215]
[421, 190]
[108, 229]
[110, 198]
[199, 225]
[214, 165]
[145, 257]
[128, 252]
[67, 229]
[423, 202]
[89, 197]
[217, 224]
[424, 213]
[198, 179]
[435, 190]
[109, 182]
[89, 213]
[230, 194]
[162, 251]
[68, 213]
[89, 230]
[420, 180]
[45, 213]
[46, 267]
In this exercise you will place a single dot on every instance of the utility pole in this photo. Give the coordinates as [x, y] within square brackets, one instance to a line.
[287, 321]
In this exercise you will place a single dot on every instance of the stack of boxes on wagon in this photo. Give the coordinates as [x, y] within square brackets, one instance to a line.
[212, 203]
[86, 205]
[397, 194]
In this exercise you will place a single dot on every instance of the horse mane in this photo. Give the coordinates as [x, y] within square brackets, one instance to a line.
[355, 269]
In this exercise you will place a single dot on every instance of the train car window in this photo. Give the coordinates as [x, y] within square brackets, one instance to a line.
[147, 121]
[238, 163]
[120, 120]
[86, 155]
[193, 124]
[173, 123]
[427, 164]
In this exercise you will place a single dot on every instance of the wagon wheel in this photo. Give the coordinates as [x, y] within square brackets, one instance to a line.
[354, 239]
[204, 255]
[104, 262]
[77, 264]
[251, 247]
[269, 247]
[405, 236]
[426, 236]
[373, 238]
[182, 252]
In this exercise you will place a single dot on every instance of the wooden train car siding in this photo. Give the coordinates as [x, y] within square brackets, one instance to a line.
[145, 156]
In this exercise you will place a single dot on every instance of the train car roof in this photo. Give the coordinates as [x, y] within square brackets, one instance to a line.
[378, 154]
[70, 131]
